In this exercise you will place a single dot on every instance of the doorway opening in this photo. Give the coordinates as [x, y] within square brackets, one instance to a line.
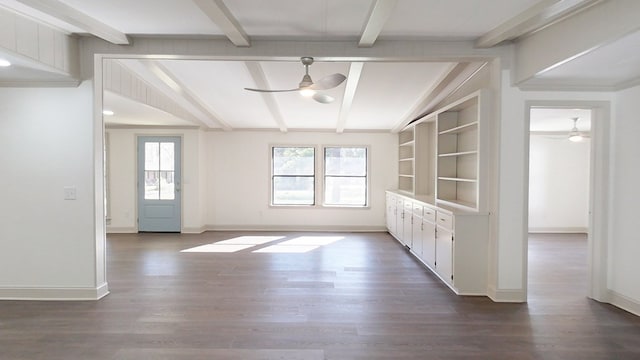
[559, 201]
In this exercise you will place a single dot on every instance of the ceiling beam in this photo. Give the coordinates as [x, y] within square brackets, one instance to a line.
[534, 18]
[164, 74]
[355, 70]
[257, 73]
[78, 19]
[378, 16]
[218, 12]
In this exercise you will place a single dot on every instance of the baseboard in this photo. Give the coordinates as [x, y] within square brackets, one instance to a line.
[624, 302]
[121, 230]
[559, 230]
[54, 294]
[319, 228]
[193, 230]
[507, 295]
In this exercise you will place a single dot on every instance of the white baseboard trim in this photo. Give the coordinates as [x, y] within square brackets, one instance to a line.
[193, 230]
[507, 295]
[121, 230]
[624, 303]
[54, 294]
[559, 230]
[319, 228]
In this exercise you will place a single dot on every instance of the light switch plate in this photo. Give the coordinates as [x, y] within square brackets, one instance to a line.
[69, 192]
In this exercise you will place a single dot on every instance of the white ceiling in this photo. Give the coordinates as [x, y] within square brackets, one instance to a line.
[387, 94]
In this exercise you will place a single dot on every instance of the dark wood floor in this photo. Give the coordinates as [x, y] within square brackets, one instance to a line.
[361, 297]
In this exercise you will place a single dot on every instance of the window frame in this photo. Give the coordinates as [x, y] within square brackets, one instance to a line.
[273, 176]
[366, 177]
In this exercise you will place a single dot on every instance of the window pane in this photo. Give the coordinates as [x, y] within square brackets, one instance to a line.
[293, 161]
[167, 157]
[345, 191]
[345, 161]
[152, 185]
[152, 156]
[167, 185]
[293, 190]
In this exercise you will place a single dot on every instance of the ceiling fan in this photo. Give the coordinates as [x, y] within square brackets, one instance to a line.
[308, 88]
[575, 135]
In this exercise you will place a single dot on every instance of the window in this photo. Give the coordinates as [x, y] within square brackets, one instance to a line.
[293, 175]
[345, 176]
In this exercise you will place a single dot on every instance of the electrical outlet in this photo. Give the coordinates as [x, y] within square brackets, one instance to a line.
[69, 192]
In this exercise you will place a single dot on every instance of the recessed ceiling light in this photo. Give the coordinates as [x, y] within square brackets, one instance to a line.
[4, 63]
[107, 112]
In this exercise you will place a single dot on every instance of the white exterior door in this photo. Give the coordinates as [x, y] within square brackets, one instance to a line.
[159, 181]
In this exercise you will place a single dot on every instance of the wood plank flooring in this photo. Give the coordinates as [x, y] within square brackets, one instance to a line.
[359, 297]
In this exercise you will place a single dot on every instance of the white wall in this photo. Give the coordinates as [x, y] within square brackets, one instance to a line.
[625, 247]
[47, 244]
[239, 181]
[226, 181]
[122, 178]
[558, 184]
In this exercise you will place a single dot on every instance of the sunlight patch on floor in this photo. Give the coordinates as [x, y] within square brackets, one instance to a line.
[232, 245]
[300, 244]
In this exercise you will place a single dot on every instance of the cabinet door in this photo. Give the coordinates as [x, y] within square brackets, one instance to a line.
[407, 232]
[391, 214]
[429, 243]
[444, 254]
[417, 236]
[400, 220]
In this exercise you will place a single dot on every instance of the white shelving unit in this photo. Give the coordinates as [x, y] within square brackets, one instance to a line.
[439, 211]
[460, 153]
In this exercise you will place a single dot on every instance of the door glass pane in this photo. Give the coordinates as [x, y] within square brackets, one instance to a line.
[159, 165]
[167, 185]
[151, 185]
[167, 157]
[152, 156]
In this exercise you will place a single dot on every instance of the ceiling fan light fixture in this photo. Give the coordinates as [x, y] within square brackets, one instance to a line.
[307, 92]
[574, 134]
[4, 62]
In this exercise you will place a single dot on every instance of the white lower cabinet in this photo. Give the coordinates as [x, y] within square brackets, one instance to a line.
[451, 243]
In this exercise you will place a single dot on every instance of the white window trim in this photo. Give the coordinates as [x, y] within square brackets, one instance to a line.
[367, 183]
[319, 177]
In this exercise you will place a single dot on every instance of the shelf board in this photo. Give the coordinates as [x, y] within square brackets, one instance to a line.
[461, 153]
[406, 176]
[457, 203]
[456, 179]
[406, 159]
[458, 129]
[407, 143]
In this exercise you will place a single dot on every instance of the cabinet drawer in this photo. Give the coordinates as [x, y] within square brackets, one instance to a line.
[417, 210]
[429, 214]
[445, 220]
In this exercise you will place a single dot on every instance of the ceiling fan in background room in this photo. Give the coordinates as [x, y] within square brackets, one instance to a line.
[575, 135]
[308, 88]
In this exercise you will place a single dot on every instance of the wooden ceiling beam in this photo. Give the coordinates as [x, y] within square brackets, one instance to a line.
[70, 15]
[218, 12]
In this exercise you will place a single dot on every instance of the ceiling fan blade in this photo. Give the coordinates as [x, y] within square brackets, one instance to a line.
[323, 98]
[328, 82]
[271, 91]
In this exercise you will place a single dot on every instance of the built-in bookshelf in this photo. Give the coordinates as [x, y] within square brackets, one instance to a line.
[458, 154]
[441, 155]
